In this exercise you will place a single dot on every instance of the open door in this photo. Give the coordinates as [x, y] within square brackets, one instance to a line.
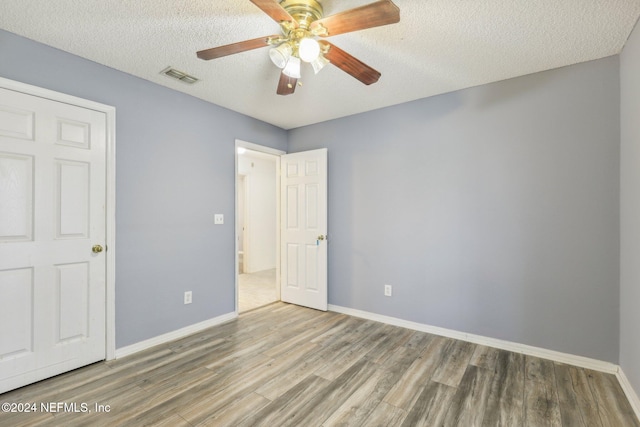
[303, 242]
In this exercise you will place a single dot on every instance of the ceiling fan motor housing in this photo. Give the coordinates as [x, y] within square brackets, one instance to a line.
[303, 11]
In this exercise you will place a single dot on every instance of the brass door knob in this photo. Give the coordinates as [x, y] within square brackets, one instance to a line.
[96, 249]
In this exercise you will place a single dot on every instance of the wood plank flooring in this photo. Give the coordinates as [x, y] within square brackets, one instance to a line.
[283, 365]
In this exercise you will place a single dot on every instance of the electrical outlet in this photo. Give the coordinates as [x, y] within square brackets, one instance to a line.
[218, 219]
[188, 297]
[387, 290]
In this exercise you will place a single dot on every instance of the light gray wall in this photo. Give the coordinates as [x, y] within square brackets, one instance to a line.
[175, 169]
[630, 210]
[492, 210]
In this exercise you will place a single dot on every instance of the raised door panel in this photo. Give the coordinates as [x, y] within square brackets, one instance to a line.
[16, 194]
[291, 212]
[72, 301]
[311, 168]
[293, 255]
[74, 133]
[311, 207]
[16, 123]
[16, 312]
[292, 169]
[72, 200]
[311, 268]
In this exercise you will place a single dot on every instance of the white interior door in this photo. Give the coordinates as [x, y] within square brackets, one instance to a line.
[304, 228]
[52, 213]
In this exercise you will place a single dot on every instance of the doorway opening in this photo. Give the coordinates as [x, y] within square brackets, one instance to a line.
[257, 226]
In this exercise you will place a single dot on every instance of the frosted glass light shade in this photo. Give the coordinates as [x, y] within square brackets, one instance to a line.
[309, 49]
[293, 68]
[280, 55]
[319, 63]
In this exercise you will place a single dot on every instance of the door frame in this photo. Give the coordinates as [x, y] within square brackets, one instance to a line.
[277, 153]
[110, 211]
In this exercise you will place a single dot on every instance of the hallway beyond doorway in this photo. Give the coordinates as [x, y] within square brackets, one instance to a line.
[256, 289]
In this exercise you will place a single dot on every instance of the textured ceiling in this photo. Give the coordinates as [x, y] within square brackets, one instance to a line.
[439, 46]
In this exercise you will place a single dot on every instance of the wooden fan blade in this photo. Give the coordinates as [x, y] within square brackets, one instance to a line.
[230, 49]
[274, 10]
[286, 85]
[351, 65]
[382, 12]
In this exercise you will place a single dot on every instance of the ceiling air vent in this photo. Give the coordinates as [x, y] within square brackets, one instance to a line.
[179, 75]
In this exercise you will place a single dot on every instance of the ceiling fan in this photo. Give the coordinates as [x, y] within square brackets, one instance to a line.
[302, 22]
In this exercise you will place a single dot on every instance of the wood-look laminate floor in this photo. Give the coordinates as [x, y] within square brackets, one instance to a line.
[283, 365]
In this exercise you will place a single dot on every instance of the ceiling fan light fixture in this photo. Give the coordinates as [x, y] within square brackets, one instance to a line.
[293, 68]
[302, 25]
[280, 55]
[309, 49]
[319, 63]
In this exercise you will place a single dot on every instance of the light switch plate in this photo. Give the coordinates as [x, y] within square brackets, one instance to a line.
[387, 290]
[218, 219]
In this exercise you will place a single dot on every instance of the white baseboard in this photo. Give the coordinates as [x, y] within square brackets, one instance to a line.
[632, 396]
[556, 356]
[170, 336]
